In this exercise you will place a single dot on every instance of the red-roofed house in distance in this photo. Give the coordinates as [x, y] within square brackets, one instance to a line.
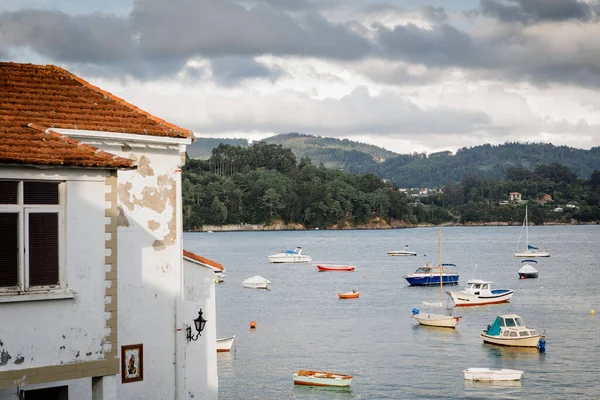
[93, 298]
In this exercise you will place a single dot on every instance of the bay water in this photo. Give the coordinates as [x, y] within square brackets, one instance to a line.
[301, 323]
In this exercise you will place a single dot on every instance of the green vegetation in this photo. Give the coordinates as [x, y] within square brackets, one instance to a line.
[202, 148]
[264, 183]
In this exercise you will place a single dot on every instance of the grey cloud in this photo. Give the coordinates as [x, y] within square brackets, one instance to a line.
[537, 10]
[232, 70]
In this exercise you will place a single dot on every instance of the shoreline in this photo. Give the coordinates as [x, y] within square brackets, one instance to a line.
[373, 226]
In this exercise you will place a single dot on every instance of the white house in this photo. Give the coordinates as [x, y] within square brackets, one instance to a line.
[91, 257]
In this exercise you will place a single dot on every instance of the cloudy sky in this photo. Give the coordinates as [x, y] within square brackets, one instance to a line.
[407, 75]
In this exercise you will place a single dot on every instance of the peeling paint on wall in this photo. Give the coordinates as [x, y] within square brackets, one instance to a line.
[121, 218]
[158, 245]
[144, 167]
[153, 225]
[124, 197]
[4, 358]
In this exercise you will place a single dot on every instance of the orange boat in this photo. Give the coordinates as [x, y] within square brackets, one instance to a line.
[335, 267]
[349, 295]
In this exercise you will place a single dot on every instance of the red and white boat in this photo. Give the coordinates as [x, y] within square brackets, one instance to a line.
[335, 267]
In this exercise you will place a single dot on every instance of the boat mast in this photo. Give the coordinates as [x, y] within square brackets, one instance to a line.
[526, 230]
[441, 278]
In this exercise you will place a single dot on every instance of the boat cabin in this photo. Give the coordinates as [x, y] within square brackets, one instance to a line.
[475, 286]
[510, 325]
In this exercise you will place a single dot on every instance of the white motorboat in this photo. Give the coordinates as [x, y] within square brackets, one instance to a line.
[219, 277]
[530, 250]
[290, 256]
[405, 252]
[509, 330]
[492, 374]
[527, 271]
[478, 293]
[321, 378]
[256, 282]
[224, 344]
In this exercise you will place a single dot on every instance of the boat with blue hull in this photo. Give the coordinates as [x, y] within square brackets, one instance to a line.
[431, 275]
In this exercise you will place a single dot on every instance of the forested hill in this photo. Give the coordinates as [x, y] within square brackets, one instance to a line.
[486, 161]
[420, 169]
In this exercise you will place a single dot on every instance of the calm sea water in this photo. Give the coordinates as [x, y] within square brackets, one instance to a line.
[301, 323]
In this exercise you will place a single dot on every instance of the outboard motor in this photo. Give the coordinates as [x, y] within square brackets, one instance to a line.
[415, 311]
[541, 346]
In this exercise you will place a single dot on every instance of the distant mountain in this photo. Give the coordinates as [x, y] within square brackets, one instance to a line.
[201, 148]
[488, 161]
[420, 169]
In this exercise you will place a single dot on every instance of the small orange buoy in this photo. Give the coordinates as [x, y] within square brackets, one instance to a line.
[364, 276]
[252, 325]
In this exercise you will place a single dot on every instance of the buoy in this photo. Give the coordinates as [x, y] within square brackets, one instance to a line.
[593, 311]
[364, 276]
[252, 325]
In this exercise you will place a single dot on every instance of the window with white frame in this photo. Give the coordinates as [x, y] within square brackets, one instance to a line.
[31, 215]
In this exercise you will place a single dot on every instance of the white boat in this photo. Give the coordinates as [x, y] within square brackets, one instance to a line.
[509, 330]
[492, 374]
[527, 271]
[256, 282]
[405, 252]
[224, 344]
[290, 256]
[478, 293]
[530, 250]
[431, 319]
[219, 276]
[321, 378]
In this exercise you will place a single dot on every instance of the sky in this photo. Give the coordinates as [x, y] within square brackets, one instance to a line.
[406, 75]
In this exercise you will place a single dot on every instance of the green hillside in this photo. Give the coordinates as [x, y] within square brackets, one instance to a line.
[334, 153]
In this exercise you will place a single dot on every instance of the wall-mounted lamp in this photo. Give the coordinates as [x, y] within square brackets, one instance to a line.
[199, 324]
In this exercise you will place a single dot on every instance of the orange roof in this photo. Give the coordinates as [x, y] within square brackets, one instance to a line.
[202, 260]
[33, 145]
[55, 98]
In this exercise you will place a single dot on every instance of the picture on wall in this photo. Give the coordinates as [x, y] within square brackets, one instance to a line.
[132, 363]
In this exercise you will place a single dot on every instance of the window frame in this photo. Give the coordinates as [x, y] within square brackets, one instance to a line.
[23, 211]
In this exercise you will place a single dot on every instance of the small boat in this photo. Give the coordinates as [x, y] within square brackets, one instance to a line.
[492, 374]
[530, 251]
[224, 344]
[432, 275]
[318, 378]
[219, 276]
[441, 320]
[405, 252]
[349, 295]
[290, 256]
[335, 267]
[527, 271]
[509, 330]
[478, 293]
[256, 282]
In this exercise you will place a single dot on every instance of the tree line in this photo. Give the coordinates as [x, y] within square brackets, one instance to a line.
[264, 183]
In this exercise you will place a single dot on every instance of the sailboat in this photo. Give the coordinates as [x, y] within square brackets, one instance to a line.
[530, 251]
[439, 320]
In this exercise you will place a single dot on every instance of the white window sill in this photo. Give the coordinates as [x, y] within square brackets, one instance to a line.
[15, 297]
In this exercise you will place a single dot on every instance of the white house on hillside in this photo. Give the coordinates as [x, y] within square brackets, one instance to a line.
[92, 277]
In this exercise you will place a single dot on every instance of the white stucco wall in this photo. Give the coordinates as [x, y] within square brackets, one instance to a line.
[51, 332]
[201, 378]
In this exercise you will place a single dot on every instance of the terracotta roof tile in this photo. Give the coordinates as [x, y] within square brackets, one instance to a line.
[29, 145]
[52, 97]
[202, 260]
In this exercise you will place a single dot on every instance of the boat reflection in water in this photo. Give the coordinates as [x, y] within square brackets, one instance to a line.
[513, 353]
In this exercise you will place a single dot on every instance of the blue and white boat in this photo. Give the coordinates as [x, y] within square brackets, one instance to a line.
[290, 256]
[430, 276]
[528, 271]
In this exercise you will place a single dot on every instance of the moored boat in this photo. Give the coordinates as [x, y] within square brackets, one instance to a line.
[405, 252]
[256, 282]
[492, 374]
[432, 275]
[530, 250]
[321, 378]
[290, 256]
[509, 330]
[527, 271]
[335, 267]
[224, 344]
[349, 295]
[478, 293]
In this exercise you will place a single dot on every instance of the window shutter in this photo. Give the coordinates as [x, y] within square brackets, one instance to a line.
[43, 249]
[9, 249]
